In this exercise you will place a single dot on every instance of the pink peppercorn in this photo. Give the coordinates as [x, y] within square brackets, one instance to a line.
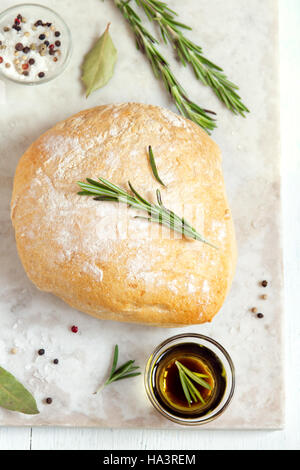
[74, 329]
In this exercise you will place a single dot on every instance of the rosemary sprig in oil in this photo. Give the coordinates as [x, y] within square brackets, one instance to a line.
[188, 52]
[125, 371]
[106, 191]
[187, 377]
[146, 43]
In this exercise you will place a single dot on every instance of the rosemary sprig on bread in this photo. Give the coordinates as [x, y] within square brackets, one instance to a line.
[103, 190]
[154, 167]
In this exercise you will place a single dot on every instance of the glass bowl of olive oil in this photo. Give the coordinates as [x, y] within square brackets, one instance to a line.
[190, 379]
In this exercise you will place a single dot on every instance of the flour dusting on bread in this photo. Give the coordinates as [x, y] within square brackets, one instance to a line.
[98, 256]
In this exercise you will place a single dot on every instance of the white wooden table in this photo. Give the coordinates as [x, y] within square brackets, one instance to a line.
[58, 438]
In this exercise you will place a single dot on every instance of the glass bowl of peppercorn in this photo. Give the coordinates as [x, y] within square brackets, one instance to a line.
[35, 44]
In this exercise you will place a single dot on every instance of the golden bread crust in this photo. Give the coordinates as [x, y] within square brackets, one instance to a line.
[95, 255]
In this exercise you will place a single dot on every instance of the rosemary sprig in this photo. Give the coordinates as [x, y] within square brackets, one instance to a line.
[106, 191]
[188, 52]
[190, 391]
[146, 43]
[124, 372]
[153, 166]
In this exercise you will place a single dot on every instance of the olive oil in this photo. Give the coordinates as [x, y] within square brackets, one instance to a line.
[167, 386]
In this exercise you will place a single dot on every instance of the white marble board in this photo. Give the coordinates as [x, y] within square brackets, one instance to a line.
[242, 37]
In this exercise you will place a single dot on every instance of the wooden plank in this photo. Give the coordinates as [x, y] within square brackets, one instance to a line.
[15, 438]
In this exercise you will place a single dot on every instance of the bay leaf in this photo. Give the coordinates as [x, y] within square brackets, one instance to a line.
[99, 63]
[14, 396]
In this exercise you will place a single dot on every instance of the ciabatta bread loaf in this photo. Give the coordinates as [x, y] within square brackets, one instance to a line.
[96, 255]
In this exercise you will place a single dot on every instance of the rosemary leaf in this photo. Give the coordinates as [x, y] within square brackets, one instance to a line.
[146, 43]
[119, 374]
[188, 52]
[194, 390]
[194, 377]
[184, 386]
[127, 376]
[190, 391]
[125, 371]
[153, 166]
[201, 375]
[116, 356]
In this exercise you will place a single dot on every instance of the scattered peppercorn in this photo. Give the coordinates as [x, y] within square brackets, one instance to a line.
[49, 25]
[42, 36]
[13, 351]
[19, 46]
[41, 352]
[26, 73]
[38, 23]
[264, 283]
[31, 61]
[49, 400]
[25, 66]
[46, 43]
[41, 75]
[58, 43]
[260, 315]
[16, 27]
[264, 297]
[26, 50]
[254, 310]
[74, 329]
[55, 361]
[42, 49]
[1, 60]
[57, 34]
[7, 65]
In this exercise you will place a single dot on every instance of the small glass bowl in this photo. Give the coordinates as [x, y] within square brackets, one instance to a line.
[200, 340]
[36, 11]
